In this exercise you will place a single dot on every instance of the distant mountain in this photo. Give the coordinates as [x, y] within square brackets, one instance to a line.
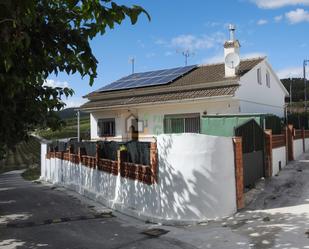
[69, 113]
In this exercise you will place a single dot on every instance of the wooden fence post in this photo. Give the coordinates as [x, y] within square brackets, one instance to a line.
[239, 172]
[290, 142]
[269, 154]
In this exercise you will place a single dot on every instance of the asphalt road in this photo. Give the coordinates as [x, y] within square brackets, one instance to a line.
[39, 216]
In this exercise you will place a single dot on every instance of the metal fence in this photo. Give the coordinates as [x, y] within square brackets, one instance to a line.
[137, 152]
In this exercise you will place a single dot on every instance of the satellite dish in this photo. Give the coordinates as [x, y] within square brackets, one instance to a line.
[232, 60]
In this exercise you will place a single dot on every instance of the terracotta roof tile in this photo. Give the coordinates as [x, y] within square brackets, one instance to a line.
[162, 97]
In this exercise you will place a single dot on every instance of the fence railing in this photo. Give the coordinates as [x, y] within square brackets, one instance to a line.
[135, 160]
[278, 141]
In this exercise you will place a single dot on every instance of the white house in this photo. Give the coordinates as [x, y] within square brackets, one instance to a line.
[143, 105]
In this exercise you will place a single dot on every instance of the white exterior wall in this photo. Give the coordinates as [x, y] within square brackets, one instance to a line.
[306, 144]
[298, 148]
[258, 98]
[153, 115]
[278, 157]
[195, 181]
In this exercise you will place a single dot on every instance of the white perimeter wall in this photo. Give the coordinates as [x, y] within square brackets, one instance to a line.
[306, 144]
[196, 181]
[298, 148]
[258, 98]
[278, 156]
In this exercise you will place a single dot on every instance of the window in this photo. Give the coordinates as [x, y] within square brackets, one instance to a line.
[183, 123]
[106, 127]
[267, 79]
[259, 76]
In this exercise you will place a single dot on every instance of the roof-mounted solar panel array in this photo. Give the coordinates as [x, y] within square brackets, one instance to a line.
[153, 78]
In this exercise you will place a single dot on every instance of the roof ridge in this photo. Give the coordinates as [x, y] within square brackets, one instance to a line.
[241, 60]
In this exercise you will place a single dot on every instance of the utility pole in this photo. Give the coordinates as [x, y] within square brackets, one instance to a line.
[291, 100]
[78, 126]
[305, 83]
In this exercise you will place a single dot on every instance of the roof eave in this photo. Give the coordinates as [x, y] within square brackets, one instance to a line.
[147, 104]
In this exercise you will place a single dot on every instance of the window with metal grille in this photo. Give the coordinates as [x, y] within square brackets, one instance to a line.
[106, 127]
[183, 123]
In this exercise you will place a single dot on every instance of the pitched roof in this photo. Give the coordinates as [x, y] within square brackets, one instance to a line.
[161, 97]
[204, 81]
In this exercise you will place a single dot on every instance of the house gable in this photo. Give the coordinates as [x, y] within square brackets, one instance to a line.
[263, 96]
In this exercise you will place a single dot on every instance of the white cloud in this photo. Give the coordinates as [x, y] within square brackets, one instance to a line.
[273, 4]
[297, 16]
[150, 55]
[278, 18]
[262, 22]
[160, 42]
[56, 83]
[290, 72]
[213, 24]
[168, 53]
[192, 42]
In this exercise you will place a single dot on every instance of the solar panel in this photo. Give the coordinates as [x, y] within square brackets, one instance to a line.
[152, 78]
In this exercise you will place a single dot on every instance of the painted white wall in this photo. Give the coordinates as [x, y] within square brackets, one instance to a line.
[306, 144]
[195, 181]
[278, 157]
[298, 148]
[258, 98]
[152, 115]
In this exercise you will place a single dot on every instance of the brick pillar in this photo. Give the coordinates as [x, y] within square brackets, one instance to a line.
[154, 162]
[239, 173]
[303, 138]
[79, 155]
[269, 153]
[69, 150]
[290, 139]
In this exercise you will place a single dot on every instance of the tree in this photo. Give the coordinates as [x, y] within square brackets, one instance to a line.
[41, 37]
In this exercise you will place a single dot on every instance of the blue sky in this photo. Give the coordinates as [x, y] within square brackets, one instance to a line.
[277, 29]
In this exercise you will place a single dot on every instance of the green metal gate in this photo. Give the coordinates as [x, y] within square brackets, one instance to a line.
[253, 147]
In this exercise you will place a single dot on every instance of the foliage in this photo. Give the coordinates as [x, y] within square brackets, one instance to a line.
[68, 130]
[299, 120]
[298, 88]
[25, 155]
[32, 174]
[41, 37]
[123, 148]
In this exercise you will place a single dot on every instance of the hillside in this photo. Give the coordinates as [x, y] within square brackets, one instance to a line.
[69, 130]
[26, 154]
[70, 113]
[297, 88]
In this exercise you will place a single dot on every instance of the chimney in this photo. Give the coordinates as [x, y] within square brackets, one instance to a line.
[231, 53]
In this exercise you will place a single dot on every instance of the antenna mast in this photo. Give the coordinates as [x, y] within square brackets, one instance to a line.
[187, 54]
[132, 61]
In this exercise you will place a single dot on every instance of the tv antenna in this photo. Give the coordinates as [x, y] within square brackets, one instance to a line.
[132, 61]
[187, 53]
